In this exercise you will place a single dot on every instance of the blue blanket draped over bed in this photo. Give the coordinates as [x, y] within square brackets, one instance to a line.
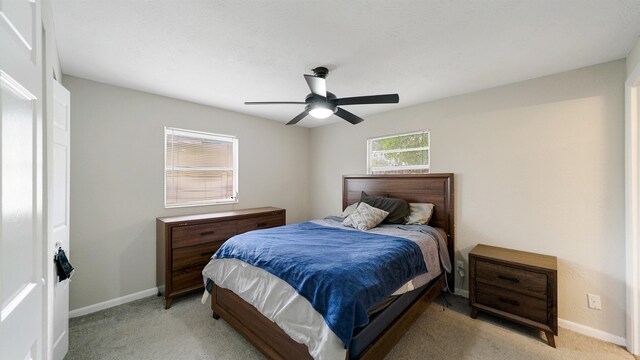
[341, 272]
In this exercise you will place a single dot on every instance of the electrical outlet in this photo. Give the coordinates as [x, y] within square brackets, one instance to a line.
[460, 268]
[594, 301]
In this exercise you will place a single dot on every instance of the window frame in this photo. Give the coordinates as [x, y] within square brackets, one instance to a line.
[370, 141]
[212, 136]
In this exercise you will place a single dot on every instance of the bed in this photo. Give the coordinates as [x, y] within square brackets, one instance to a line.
[384, 328]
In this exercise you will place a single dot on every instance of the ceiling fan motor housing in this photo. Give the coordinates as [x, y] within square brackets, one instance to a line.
[315, 98]
[320, 72]
[317, 101]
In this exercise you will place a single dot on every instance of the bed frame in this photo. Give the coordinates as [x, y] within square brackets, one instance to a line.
[274, 343]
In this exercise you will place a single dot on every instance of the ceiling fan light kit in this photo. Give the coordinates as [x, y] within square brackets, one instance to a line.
[320, 112]
[321, 104]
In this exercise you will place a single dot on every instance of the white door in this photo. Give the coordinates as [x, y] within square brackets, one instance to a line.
[60, 216]
[21, 181]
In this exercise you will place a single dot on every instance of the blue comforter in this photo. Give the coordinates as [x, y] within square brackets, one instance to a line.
[341, 272]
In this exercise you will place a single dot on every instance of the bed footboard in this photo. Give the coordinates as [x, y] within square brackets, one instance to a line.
[275, 344]
[264, 334]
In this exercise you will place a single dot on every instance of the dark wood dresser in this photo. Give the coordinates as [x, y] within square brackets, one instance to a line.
[184, 244]
[516, 285]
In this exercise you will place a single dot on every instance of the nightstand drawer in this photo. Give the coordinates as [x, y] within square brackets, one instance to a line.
[514, 303]
[203, 233]
[263, 222]
[529, 282]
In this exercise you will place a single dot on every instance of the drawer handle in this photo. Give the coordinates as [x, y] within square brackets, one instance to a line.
[508, 301]
[206, 233]
[261, 224]
[508, 278]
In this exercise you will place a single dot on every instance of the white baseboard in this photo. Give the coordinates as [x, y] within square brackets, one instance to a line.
[113, 302]
[591, 332]
[579, 328]
[461, 292]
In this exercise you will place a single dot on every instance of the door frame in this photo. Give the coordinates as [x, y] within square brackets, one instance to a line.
[632, 208]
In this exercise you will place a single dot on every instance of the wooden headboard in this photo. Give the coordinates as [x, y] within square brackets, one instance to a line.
[436, 189]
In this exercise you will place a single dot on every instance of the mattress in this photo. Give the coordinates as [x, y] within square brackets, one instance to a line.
[380, 320]
[415, 283]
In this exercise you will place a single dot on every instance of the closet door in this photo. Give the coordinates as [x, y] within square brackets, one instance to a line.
[21, 181]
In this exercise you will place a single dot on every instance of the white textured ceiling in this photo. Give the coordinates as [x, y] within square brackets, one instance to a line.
[222, 53]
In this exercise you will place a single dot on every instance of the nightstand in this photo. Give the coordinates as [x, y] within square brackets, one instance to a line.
[515, 285]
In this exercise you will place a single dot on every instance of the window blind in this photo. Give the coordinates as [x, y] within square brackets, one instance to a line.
[200, 168]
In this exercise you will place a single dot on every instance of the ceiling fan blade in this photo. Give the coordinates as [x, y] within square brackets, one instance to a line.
[369, 99]
[273, 102]
[298, 117]
[350, 117]
[317, 85]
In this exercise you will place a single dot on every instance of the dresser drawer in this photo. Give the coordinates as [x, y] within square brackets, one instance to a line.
[262, 222]
[187, 278]
[529, 282]
[203, 233]
[186, 257]
[514, 303]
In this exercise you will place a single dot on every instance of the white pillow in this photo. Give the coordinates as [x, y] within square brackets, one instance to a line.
[419, 213]
[365, 217]
[349, 210]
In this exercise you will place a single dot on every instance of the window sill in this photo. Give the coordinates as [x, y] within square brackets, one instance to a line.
[207, 203]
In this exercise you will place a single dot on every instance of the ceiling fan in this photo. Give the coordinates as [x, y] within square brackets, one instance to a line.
[321, 104]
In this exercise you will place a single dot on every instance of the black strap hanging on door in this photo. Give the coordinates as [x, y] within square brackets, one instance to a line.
[63, 266]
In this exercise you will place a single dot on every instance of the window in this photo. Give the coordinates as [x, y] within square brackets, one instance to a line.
[399, 154]
[200, 168]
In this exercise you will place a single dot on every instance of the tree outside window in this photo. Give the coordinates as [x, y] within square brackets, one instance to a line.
[399, 154]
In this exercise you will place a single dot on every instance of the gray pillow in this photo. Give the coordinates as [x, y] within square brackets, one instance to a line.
[398, 209]
[365, 217]
[349, 210]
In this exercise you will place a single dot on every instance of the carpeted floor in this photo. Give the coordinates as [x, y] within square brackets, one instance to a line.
[144, 330]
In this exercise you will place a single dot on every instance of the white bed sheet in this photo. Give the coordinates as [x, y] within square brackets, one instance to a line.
[279, 302]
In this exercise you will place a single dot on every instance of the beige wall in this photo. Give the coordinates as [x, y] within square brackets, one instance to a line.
[633, 59]
[117, 142]
[538, 166]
